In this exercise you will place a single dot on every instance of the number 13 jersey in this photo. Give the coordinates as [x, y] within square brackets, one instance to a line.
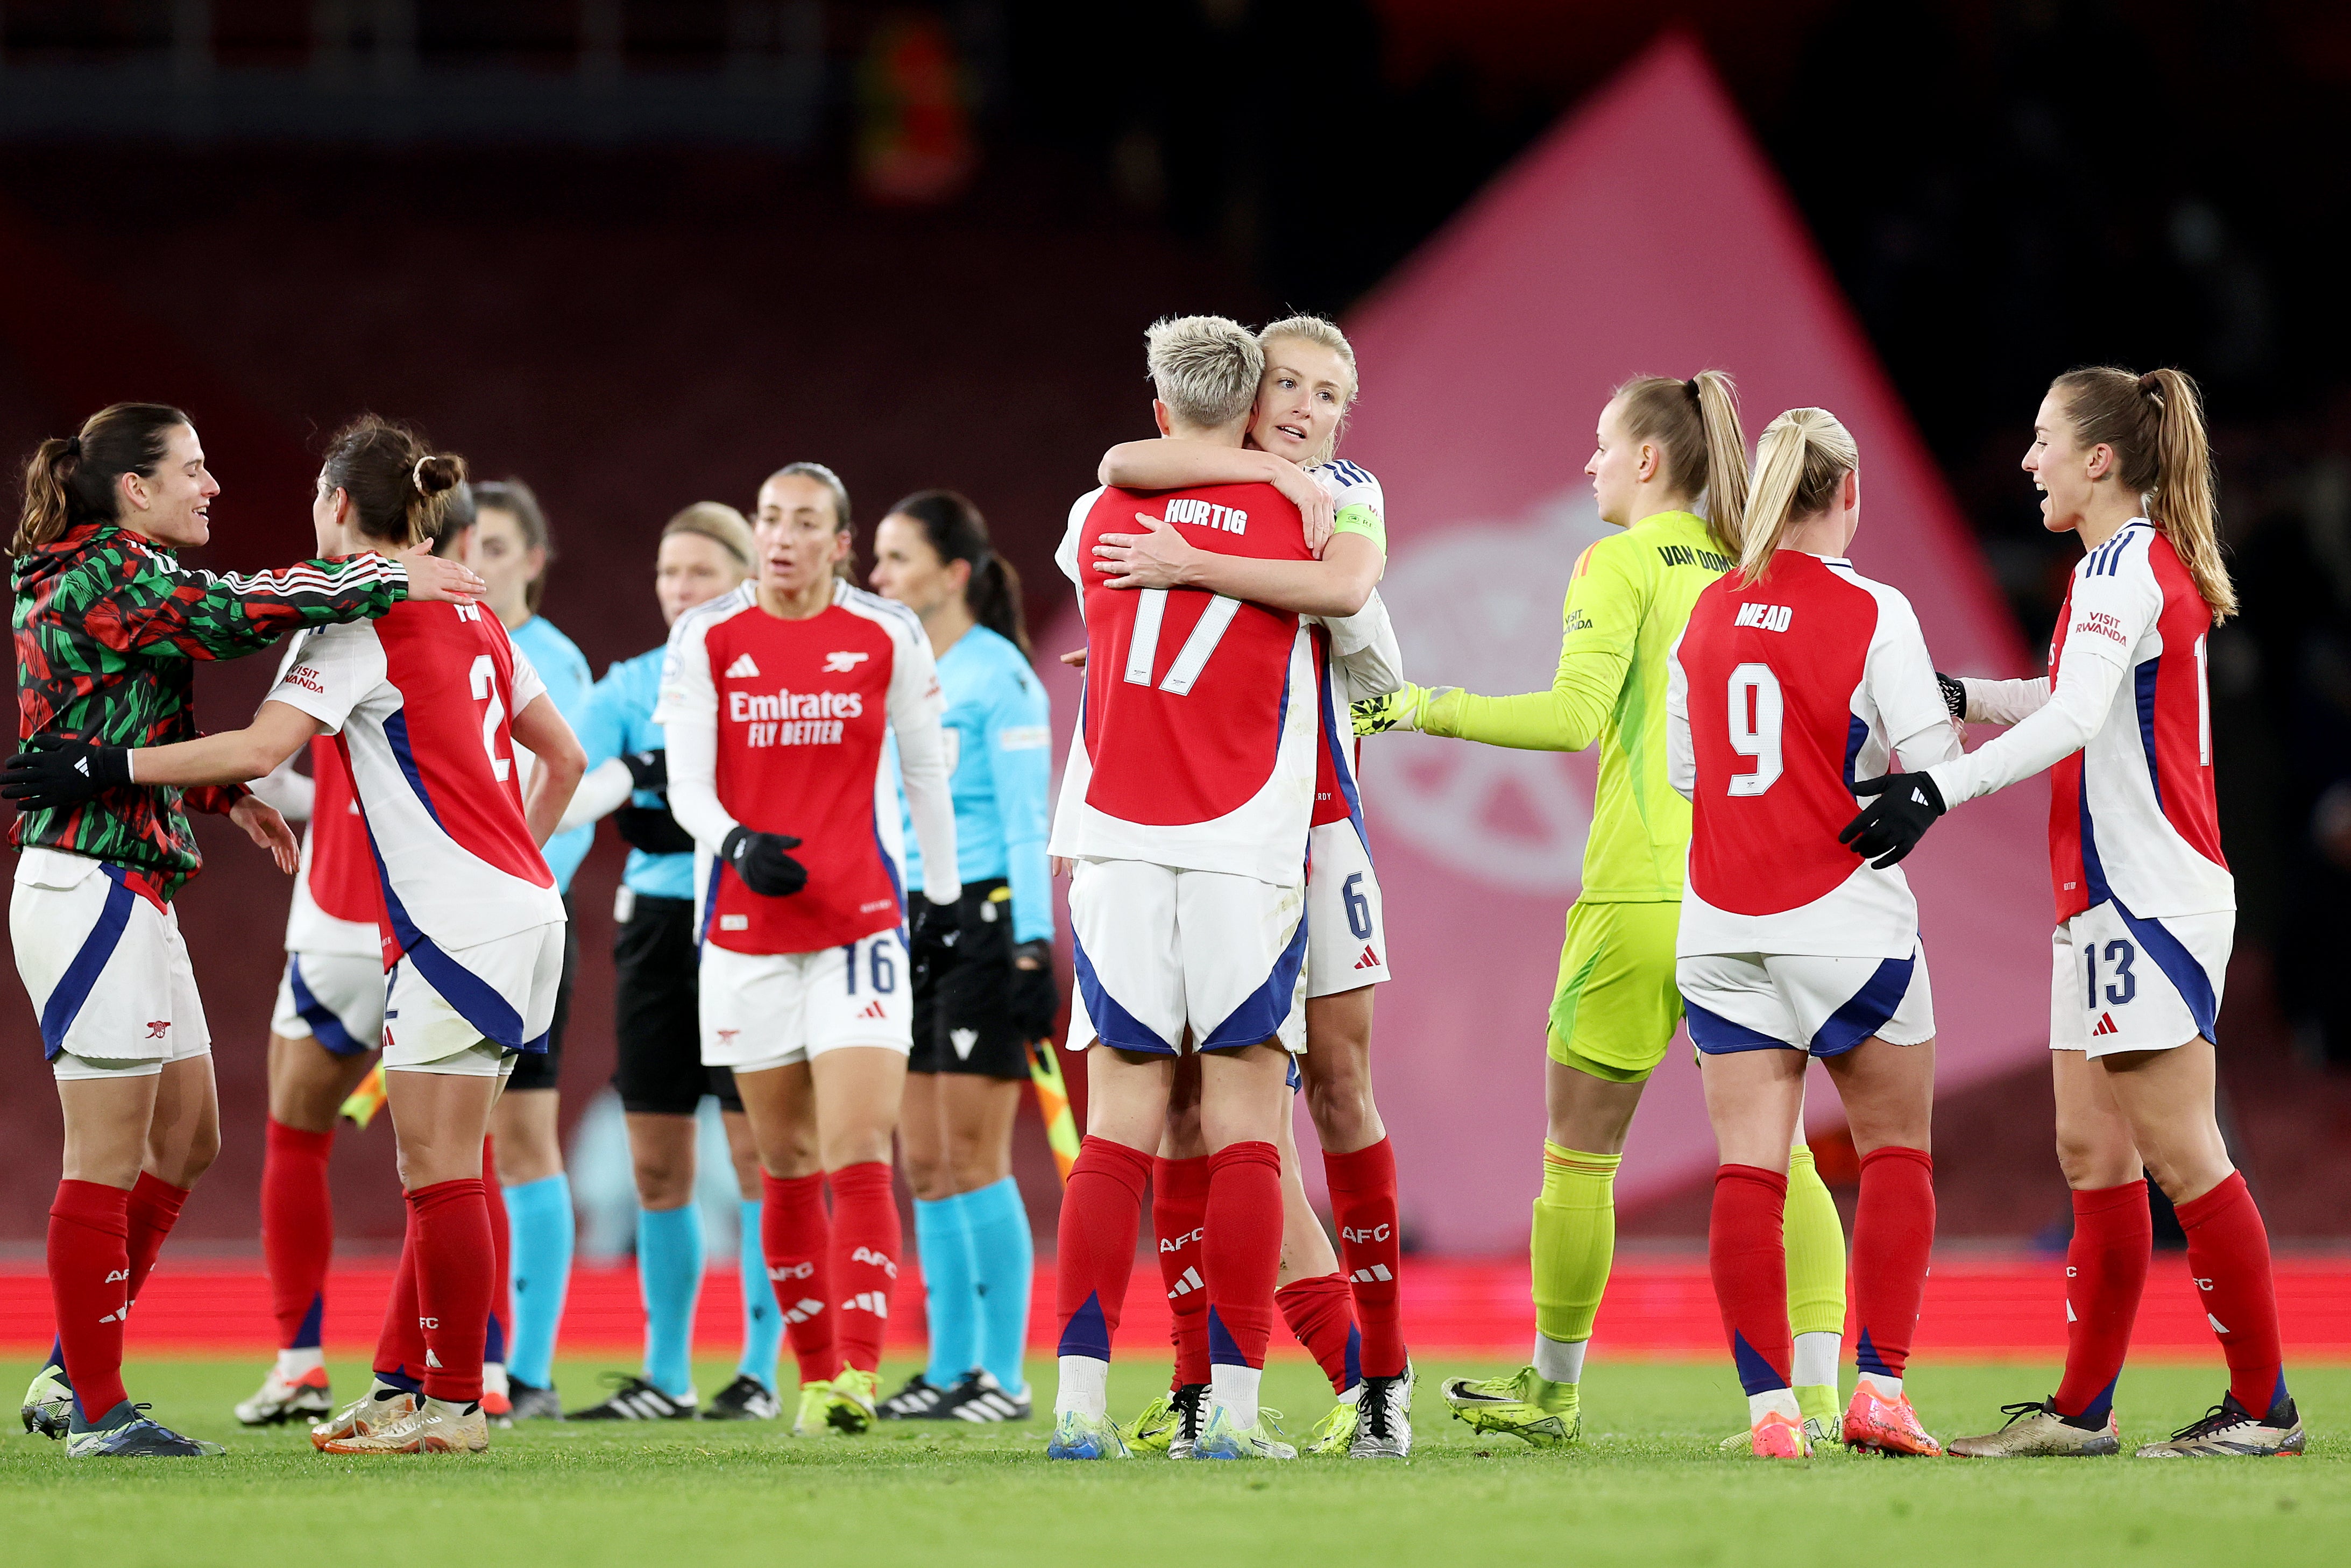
[1780, 692]
[420, 702]
[1196, 741]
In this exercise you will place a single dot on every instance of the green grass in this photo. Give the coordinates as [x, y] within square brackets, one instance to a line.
[1648, 1486]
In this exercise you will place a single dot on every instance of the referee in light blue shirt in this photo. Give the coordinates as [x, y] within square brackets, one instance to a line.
[984, 985]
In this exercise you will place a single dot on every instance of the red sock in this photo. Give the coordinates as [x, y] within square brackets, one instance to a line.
[2105, 1273]
[1319, 1311]
[1102, 1209]
[298, 1230]
[400, 1351]
[1749, 1259]
[1893, 1239]
[1179, 1216]
[795, 1235]
[153, 1209]
[1364, 1203]
[453, 1284]
[494, 1340]
[1242, 1250]
[89, 1278]
[866, 1240]
[2229, 1254]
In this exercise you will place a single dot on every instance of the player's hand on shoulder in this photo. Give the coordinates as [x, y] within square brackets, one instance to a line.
[1891, 825]
[437, 580]
[764, 863]
[1317, 513]
[1157, 558]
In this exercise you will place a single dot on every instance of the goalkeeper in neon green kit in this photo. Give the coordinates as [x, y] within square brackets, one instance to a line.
[1663, 445]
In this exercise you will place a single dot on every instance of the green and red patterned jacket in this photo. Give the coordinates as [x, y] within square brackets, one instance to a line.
[109, 627]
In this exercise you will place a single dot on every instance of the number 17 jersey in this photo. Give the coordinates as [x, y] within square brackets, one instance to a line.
[1196, 741]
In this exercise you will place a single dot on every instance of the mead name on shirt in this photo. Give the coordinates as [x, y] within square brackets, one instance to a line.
[793, 718]
[1207, 515]
[1764, 617]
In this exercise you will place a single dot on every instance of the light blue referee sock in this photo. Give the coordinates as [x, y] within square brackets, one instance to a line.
[945, 1247]
[763, 1321]
[669, 1272]
[539, 1227]
[1002, 1262]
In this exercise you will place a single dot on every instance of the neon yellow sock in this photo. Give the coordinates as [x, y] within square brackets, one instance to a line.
[1815, 1242]
[1575, 1240]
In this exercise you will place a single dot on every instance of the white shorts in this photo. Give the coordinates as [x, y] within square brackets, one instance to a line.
[471, 1010]
[1822, 1006]
[1346, 924]
[102, 959]
[772, 1009]
[334, 998]
[2120, 981]
[1160, 951]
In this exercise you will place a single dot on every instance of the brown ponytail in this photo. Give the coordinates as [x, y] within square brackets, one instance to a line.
[2155, 425]
[958, 532]
[400, 489]
[1695, 423]
[73, 482]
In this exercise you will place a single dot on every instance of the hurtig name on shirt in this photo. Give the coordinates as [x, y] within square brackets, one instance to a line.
[793, 718]
[1207, 515]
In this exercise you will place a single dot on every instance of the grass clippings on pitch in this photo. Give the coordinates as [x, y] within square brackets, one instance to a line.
[1648, 1486]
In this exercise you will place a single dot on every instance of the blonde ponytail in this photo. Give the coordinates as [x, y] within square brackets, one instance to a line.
[2155, 425]
[1803, 456]
[1695, 426]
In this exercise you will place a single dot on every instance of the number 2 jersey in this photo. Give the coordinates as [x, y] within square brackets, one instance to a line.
[1780, 692]
[1196, 740]
[421, 703]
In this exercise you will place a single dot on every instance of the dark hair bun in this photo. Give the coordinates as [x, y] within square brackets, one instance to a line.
[436, 473]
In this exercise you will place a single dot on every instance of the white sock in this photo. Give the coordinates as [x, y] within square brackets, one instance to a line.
[1816, 1360]
[494, 1378]
[1085, 1389]
[1562, 1360]
[293, 1363]
[1771, 1402]
[1887, 1388]
[382, 1390]
[1235, 1389]
[447, 1409]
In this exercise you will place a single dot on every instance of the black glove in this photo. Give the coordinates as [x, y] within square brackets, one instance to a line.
[652, 830]
[1034, 1002]
[1955, 695]
[58, 772]
[647, 769]
[932, 932]
[760, 861]
[1891, 826]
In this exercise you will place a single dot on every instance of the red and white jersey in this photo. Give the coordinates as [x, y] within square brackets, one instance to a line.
[2127, 735]
[420, 701]
[790, 717]
[1195, 746]
[338, 897]
[1779, 694]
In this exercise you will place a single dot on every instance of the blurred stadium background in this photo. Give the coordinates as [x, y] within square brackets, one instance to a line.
[642, 252]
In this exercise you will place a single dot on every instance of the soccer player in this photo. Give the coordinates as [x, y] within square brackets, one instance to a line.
[1184, 808]
[2146, 906]
[1309, 384]
[108, 627]
[775, 702]
[426, 704]
[706, 551]
[983, 978]
[509, 547]
[1794, 671]
[1664, 449]
[323, 1035]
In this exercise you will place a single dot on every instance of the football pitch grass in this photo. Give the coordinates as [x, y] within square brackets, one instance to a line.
[1647, 1485]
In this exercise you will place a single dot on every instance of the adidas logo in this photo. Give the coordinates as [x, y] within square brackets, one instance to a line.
[1370, 960]
[432, 1361]
[1377, 1274]
[1919, 796]
[742, 669]
[2217, 1326]
[801, 1310]
[1189, 1283]
[874, 1009]
[873, 1301]
[2105, 1025]
[81, 766]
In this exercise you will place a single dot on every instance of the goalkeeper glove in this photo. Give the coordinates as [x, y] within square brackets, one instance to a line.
[59, 772]
[1407, 708]
[759, 859]
[1890, 826]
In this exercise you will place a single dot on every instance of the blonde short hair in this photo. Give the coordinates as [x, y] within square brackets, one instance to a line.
[1206, 369]
[719, 523]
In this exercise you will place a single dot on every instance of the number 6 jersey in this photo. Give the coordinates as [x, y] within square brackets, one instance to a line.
[420, 703]
[1780, 692]
[1196, 742]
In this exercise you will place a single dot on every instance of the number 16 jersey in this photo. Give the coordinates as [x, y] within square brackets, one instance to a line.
[1196, 741]
[1780, 692]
